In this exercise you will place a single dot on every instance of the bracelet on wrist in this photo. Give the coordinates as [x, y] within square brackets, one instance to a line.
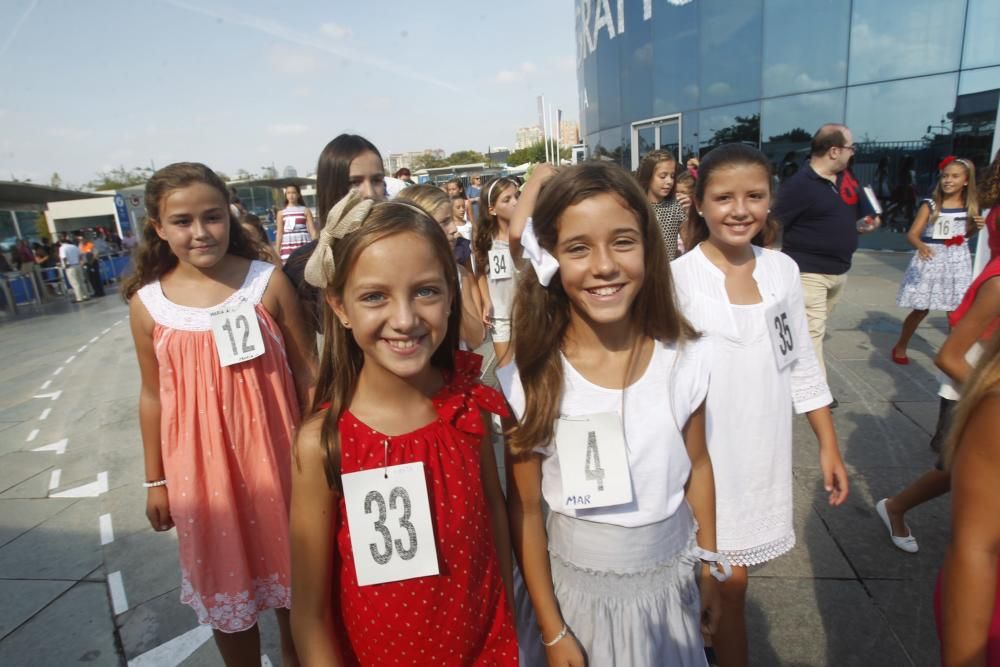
[150, 485]
[562, 633]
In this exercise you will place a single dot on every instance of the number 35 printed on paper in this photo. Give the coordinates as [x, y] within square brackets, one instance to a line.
[237, 334]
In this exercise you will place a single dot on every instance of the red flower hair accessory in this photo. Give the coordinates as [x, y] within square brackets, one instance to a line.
[945, 162]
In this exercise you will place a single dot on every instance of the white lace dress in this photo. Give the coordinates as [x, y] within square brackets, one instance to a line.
[749, 405]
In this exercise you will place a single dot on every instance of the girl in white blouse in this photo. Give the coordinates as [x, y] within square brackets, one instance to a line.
[748, 300]
[609, 392]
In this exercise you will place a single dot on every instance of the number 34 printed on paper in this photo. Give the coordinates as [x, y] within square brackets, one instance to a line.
[237, 334]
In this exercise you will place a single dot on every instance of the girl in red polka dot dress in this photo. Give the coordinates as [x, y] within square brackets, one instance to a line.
[400, 546]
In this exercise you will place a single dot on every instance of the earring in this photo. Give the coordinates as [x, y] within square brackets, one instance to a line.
[347, 325]
[701, 214]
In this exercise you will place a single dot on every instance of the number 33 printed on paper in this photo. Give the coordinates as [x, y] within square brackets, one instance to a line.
[237, 334]
[780, 332]
[392, 537]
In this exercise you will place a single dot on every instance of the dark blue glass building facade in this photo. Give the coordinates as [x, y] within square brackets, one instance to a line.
[914, 79]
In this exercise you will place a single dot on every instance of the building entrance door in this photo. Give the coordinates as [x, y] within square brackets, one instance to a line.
[653, 134]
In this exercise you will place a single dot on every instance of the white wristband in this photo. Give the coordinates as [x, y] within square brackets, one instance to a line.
[150, 485]
[562, 633]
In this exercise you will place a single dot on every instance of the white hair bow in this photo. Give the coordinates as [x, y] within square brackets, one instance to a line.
[544, 263]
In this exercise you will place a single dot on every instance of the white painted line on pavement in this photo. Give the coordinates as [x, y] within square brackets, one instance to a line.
[116, 323]
[45, 414]
[32, 435]
[264, 660]
[175, 651]
[53, 395]
[58, 371]
[106, 331]
[107, 532]
[70, 360]
[54, 479]
[57, 447]
[45, 385]
[89, 490]
[118, 600]
[94, 339]
[82, 348]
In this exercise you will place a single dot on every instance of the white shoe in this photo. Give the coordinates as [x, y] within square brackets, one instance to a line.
[908, 543]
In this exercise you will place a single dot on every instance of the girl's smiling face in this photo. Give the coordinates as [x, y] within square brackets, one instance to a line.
[736, 203]
[194, 221]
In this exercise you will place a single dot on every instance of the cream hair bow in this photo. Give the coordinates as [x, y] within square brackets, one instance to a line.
[345, 217]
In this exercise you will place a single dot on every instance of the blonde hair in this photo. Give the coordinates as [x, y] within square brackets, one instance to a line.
[971, 199]
[984, 382]
[426, 197]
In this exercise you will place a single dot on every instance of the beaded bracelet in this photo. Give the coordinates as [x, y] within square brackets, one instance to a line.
[150, 485]
[562, 633]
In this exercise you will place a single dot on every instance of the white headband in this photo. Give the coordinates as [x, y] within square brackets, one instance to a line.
[489, 191]
[542, 261]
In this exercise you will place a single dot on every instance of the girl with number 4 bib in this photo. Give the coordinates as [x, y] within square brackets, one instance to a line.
[609, 393]
[225, 365]
[400, 545]
[749, 301]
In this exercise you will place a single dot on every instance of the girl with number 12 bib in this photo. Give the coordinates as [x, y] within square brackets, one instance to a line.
[225, 365]
[400, 545]
[748, 299]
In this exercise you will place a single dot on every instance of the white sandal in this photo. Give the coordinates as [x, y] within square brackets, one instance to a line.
[908, 543]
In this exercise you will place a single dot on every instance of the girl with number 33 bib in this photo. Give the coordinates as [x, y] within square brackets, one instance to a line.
[400, 545]
[749, 300]
[225, 365]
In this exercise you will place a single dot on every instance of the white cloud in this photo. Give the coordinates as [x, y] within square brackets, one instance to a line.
[285, 59]
[287, 129]
[513, 76]
[719, 88]
[335, 30]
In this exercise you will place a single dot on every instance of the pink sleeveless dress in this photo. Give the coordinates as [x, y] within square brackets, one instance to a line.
[226, 436]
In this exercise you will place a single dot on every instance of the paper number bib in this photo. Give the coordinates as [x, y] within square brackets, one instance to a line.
[501, 265]
[237, 334]
[779, 329]
[592, 461]
[946, 227]
[392, 537]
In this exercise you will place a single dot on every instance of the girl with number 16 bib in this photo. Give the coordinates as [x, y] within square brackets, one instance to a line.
[225, 365]
[748, 299]
[400, 546]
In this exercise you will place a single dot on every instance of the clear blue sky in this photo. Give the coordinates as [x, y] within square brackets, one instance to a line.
[89, 85]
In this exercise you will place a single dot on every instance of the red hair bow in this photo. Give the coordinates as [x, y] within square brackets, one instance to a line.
[945, 162]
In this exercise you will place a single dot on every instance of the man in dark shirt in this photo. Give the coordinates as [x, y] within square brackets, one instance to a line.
[819, 207]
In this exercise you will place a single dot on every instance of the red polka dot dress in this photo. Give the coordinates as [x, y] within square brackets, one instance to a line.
[461, 616]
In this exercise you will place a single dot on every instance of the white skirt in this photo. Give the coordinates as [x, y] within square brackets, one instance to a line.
[938, 283]
[629, 595]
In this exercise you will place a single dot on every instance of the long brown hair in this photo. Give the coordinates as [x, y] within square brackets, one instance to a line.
[989, 184]
[541, 315]
[333, 170]
[487, 226]
[695, 229]
[985, 380]
[342, 357]
[647, 167]
[153, 257]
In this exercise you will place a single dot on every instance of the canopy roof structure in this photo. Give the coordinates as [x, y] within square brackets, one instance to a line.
[17, 192]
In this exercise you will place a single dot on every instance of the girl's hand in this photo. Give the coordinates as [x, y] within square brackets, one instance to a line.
[711, 602]
[924, 252]
[488, 313]
[565, 653]
[543, 172]
[683, 200]
[834, 475]
[978, 222]
[158, 509]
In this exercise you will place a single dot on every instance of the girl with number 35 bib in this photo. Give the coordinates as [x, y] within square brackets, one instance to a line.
[749, 300]
[219, 338]
[400, 545]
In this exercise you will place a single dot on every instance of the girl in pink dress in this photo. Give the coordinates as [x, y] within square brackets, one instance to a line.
[400, 548]
[225, 366]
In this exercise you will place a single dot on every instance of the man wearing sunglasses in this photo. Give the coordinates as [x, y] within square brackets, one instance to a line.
[819, 207]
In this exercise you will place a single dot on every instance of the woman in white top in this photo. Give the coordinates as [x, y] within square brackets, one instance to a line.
[295, 226]
[609, 395]
[749, 301]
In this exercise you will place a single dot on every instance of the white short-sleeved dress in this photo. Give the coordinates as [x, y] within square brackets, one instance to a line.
[749, 405]
[625, 575]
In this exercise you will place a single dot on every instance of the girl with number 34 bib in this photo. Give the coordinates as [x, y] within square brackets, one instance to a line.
[749, 300]
[400, 546]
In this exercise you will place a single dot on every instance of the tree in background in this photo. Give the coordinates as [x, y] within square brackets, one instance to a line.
[534, 153]
[119, 178]
[56, 180]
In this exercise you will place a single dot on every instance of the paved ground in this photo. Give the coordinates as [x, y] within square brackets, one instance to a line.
[84, 579]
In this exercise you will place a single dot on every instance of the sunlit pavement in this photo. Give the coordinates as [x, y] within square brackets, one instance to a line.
[85, 579]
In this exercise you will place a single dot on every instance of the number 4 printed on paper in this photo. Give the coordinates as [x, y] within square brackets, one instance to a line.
[237, 334]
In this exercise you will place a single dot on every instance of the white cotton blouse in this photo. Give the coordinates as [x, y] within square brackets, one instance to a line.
[749, 405]
[656, 409]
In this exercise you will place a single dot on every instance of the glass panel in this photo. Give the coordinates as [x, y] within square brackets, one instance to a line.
[906, 122]
[978, 80]
[27, 222]
[636, 64]
[726, 125]
[973, 124]
[8, 233]
[788, 123]
[730, 50]
[609, 112]
[689, 126]
[609, 145]
[897, 39]
[647, 139]
[981, 44]
[792, 64]
[675, 42]
[591, 99]
[669, 136]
